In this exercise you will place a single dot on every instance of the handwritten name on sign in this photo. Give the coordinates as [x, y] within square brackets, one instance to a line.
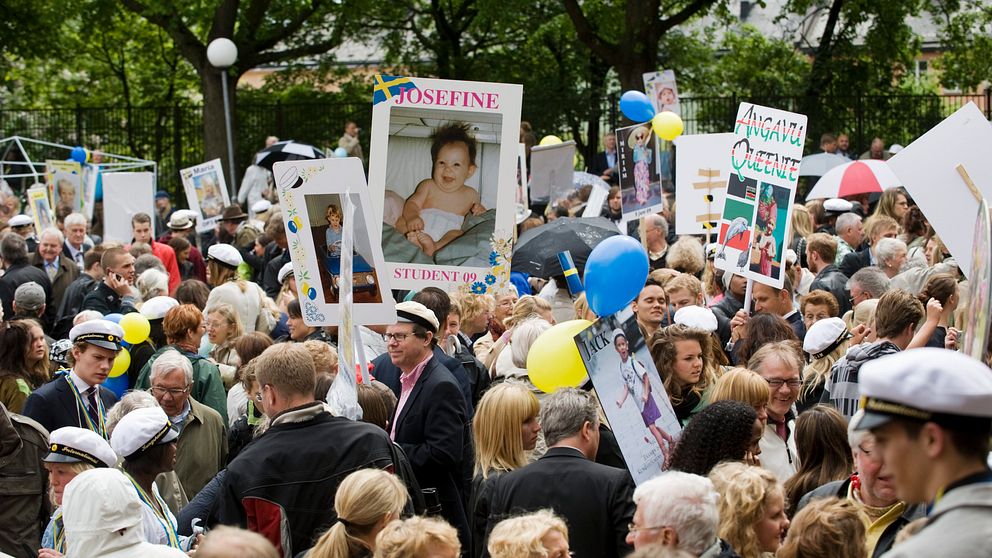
[769, 145]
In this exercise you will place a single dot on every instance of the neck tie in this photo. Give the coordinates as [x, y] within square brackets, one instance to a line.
[94, 410]
[51, 271]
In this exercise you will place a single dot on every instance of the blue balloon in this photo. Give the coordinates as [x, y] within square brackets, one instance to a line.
[78, 154]
[615, 274]
[340, 153]
[116, 318]
[117, 384]
[636, 106]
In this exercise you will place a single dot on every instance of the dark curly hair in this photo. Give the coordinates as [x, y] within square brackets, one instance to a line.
[721, 432]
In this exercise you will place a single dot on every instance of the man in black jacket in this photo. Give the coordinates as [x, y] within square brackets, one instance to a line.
[282, 485]
[430, 424]
[596, 501]
[821, 250]
[18, 270]
[113, 294]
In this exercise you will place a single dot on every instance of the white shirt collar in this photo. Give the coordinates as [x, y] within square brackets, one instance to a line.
[81, 385]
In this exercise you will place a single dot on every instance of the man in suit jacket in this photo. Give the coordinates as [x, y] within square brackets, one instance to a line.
[430, 424]
[779, 302]
[61, 270]
[76, 244]
[595, 500]
[18, 270]
[79, 399]
[604, 164]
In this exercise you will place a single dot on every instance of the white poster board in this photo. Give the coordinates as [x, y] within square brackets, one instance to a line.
[764, 169]
[124, 195]
[551, 170]
[206, 193]
[701, 176]
[442, 175]
[311, 196]
[928, 170]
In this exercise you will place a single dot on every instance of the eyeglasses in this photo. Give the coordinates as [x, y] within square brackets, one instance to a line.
[634, 528]
[398, 337]
[776, 384]
[174, 392]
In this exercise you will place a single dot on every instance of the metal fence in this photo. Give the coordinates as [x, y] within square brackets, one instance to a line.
[173, 136]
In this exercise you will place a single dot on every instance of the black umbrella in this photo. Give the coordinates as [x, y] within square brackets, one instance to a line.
[536, 251]
[288, 150]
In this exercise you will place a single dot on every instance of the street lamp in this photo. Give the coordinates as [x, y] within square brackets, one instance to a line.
[222, 53]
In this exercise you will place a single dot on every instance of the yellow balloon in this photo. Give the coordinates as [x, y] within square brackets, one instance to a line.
[136, 328]
[553, 361]
[667, 125]
[121, 363]
[550, 140]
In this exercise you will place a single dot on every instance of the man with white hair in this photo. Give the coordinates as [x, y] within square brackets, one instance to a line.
[850, 235]
[656, 240]
[61, 270]
[678, 510]
[76, 244]
[201, 429]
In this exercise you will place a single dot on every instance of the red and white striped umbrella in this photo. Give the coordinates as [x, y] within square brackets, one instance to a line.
[856, 177]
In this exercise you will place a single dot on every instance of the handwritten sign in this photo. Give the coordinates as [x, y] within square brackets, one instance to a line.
[764, 170]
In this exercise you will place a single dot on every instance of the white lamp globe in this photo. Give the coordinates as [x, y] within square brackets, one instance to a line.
[222, 53]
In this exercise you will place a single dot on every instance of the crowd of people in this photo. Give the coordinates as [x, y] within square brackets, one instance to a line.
[832, 417]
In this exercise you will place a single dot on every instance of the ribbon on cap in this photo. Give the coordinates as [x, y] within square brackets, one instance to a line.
[94, 336]
[79, 454]
[155, 439]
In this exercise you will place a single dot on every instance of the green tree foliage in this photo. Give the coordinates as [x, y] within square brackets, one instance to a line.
[967, 38]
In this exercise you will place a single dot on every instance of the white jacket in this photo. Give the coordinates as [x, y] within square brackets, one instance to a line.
[779, 457]
[248, 303]
[102, 515]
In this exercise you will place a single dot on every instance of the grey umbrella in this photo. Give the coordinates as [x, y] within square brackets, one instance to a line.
[536, 251]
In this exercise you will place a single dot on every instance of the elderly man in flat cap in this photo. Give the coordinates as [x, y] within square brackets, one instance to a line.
[431, 420]
[930, 411]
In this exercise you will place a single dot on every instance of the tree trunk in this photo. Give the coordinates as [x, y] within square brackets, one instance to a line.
[214, 130]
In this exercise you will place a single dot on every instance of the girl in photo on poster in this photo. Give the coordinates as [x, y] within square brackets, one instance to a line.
[765, 243]
[767, 206]
[638, 141]
[637, 382]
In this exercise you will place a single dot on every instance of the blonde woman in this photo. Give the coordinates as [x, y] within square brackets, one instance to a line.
[752, 508]
[747, 386]
[228, 288]
[418, 537]
[680, 355]
[541, 534]
[366, 501]
[826, 528]
[223, 328]
[825, 343]
[505, 427]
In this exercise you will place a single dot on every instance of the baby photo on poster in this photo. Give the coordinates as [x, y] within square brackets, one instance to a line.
[441, 180]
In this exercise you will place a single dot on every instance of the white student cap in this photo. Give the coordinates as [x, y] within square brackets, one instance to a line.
[71, 444]
[696, 317]
[102, 333]
[926, 385]
[140, 430]
[417, 313]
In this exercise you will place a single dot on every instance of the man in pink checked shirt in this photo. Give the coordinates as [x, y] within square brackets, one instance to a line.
[431, 423]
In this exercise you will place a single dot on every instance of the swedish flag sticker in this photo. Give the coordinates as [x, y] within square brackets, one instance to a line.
[387, 87]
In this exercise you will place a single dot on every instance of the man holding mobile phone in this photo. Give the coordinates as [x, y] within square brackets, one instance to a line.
[113, 295]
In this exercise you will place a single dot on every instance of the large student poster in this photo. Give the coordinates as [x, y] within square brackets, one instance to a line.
[312, 195]
[41, 209]
[443, 178]
[763, 166]
[661, 89]
[631, 392]
[206, 193]
[65, 184]
[640, 178]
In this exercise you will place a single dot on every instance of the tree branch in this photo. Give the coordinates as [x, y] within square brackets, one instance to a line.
[191, 48]
[682, 16]
[603, 49]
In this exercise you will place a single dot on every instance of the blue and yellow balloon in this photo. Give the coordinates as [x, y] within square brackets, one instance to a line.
[294, 225]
